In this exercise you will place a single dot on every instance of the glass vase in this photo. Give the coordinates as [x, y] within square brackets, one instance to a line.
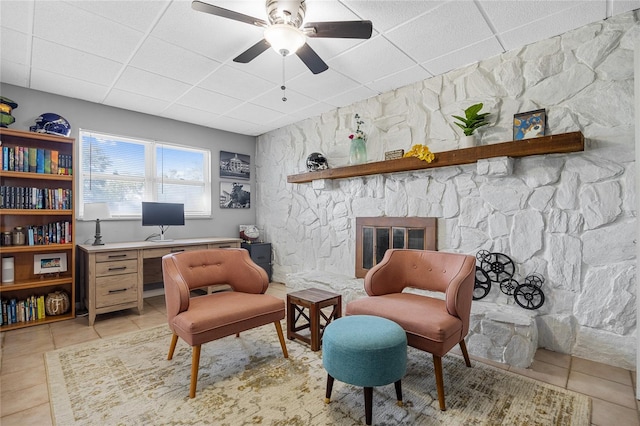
[358, 151]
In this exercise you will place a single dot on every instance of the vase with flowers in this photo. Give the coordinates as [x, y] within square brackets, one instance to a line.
[358, 149]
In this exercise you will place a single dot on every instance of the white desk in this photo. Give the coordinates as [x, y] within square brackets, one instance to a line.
[114, 274]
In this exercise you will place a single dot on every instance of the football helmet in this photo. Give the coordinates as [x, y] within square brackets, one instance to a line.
[317, 161]
[52, 124]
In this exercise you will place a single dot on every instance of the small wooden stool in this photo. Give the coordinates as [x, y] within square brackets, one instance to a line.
[314, 300]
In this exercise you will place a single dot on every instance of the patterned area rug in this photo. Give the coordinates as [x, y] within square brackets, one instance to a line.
[127, 380]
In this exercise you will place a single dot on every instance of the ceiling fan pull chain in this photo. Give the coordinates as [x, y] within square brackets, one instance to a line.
[283, 87]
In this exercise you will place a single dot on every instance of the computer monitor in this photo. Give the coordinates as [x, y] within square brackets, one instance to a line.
[162, 215]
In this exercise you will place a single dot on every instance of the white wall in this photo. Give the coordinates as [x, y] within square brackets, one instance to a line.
[101, 118]
[571, 218]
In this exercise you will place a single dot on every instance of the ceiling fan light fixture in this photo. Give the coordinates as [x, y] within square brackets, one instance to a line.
[284, 38]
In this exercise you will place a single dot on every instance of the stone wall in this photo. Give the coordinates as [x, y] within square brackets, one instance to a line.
[571, 218]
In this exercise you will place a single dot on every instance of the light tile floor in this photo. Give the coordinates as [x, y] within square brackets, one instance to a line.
[24, 396]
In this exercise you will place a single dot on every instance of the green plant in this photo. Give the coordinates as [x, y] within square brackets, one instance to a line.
[472, 120]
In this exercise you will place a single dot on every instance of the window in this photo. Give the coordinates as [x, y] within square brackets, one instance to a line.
[124, 171]
[375, 235]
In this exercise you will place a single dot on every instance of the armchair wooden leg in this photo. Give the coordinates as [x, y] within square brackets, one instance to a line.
[195, 363]
[398, 386]
[437, 368]
[465, 354]
[281, 337]
[172, 347]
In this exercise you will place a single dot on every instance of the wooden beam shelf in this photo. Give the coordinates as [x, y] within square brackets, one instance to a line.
[554, 144]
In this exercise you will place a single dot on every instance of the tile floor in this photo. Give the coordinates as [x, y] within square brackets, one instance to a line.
[24, 397]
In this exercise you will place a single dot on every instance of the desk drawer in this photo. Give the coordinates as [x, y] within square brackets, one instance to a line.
[116, 267]
[161, 251]
[116, 255]
[224, 245]
[116, 289]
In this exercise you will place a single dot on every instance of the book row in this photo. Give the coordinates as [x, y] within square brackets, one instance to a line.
[29, 309]
[35, 160]
[17, 197]
[51, 233]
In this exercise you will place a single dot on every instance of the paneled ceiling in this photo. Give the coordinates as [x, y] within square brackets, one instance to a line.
[166, 59]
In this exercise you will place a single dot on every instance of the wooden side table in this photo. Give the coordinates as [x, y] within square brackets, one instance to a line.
[314, 300]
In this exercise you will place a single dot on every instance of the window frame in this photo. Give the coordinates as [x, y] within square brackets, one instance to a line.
[150, 180]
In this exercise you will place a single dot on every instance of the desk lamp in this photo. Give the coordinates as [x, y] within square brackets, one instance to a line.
[95, 211]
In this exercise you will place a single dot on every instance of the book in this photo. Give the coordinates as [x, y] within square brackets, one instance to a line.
[5, 158]
[47, 161]
[33, 154]
[40, 161]
[54, 162]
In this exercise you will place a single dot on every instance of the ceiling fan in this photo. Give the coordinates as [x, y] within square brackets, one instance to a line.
[285, 32]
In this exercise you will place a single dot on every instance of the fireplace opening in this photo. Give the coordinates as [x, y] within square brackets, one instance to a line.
[375, 235]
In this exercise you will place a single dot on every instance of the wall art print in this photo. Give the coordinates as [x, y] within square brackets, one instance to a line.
[235, 195]
[234, 165]
[531, 124]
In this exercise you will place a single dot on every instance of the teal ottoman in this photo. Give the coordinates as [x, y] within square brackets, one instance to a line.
[366, 351]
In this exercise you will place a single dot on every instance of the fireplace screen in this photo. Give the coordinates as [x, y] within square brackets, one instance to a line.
[375, 235]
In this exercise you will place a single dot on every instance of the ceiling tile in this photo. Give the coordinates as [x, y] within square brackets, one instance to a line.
[508, 15]
[621, 6]
[89, 32]
[16, 74]
[386, 15]
[66, 86]
[16, 15]
[371, 61]
[135, 80]
[314, 110]
[554, 25]
[140, 15]
[347, 98]
[399, 79]
[160, 57]
[236, 83]
[449, 27]
[135, 102]
[273, 100]
[14, 46]
[207, 100]
[268, 66]
[259, 114]
[74, 63]
[468, 55]
[189, 115]
[215, 37]
[322, 86]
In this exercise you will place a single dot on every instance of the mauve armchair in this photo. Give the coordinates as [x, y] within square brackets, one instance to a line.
[432, 324]
[201, 319]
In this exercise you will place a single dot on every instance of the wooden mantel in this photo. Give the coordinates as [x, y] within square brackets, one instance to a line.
[554, 144]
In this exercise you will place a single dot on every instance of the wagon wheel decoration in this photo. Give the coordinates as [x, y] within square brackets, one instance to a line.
[482, 284]
[498, 266]
[529, 296]
[534, 279]
[482, 254]
[508, 285]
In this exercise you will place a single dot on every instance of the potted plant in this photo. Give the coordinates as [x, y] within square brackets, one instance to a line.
[471, 121]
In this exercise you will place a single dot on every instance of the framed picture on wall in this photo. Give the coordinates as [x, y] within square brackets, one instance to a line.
[234, 165]
[235, 195]
[527, 125]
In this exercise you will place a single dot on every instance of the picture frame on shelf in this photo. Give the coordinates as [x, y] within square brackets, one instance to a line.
[234, 165]
[49, 263]
[235, 195]
[530, 124]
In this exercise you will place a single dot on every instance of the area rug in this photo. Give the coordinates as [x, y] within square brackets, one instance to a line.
[127, 380]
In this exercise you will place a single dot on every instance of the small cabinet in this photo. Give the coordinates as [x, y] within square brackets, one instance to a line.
[261, 254]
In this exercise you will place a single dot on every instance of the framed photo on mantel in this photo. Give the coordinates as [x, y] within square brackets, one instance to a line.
[527, 125]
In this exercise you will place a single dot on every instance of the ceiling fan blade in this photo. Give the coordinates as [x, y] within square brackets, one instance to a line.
[339, 29]
[252, 52]
[225, 13]
[311, 59]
